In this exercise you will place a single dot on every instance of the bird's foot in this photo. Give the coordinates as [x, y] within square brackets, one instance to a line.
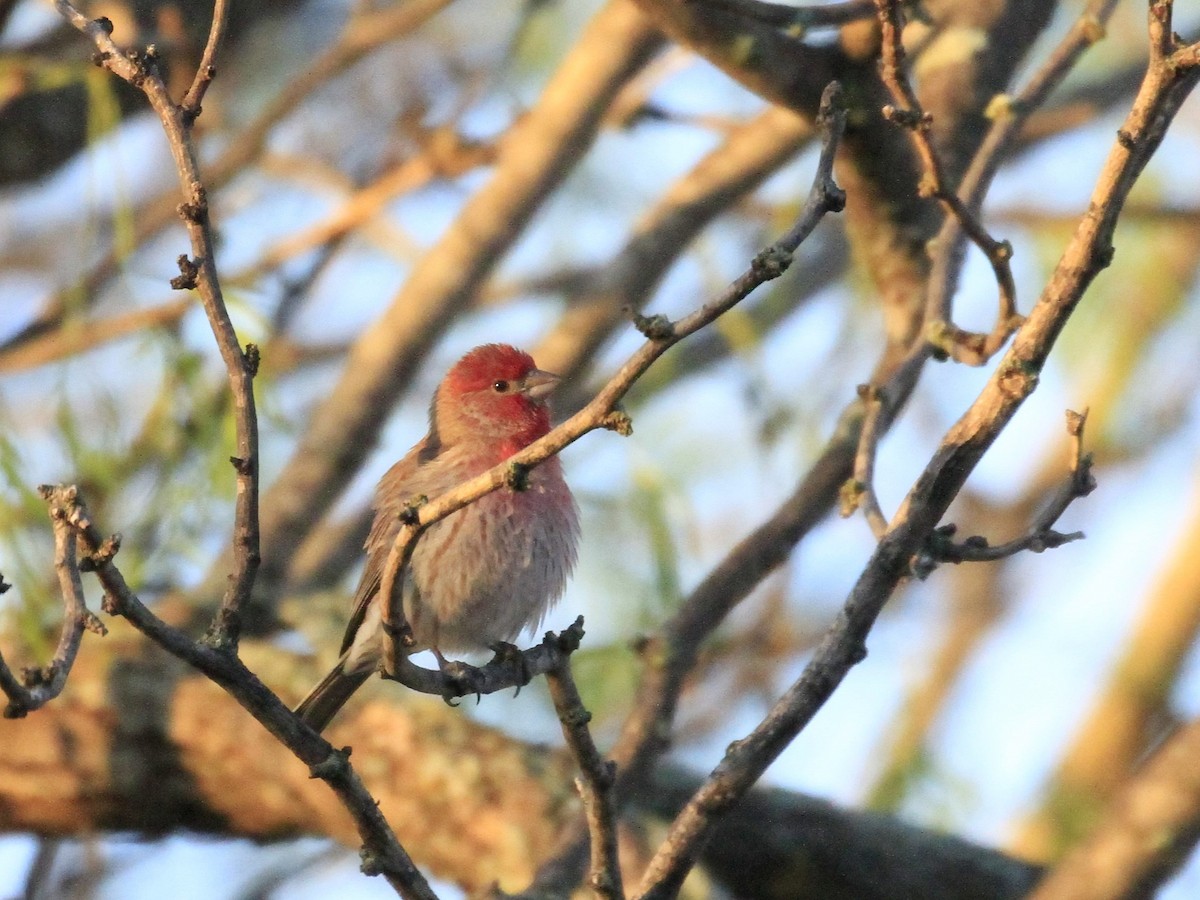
[457, 680]
[510, 656]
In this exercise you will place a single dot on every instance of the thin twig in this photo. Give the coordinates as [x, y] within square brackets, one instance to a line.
[1009, 116]
[200, 273]
[207, 70]
[859, 491]
[41, 685]
[604, 411]
[595, 783]
[943, 335]
[1041, 534]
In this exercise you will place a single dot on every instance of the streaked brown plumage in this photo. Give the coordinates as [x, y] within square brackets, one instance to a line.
[483, 574]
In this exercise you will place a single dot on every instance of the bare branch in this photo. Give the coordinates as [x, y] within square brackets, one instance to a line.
[40, 686]
[200, 272]
[207, 70]
[1041, 534]
[1009, 116]
[943, 335]
[595, 783]
[859, 491]
[382, 852]
[843, 646]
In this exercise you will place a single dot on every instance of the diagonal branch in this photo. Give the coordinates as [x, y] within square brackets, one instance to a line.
[207, 70]
[1163, 90]
[382, 852]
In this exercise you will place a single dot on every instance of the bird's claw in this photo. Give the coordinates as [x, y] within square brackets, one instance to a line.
[457, 680]
[510, 655]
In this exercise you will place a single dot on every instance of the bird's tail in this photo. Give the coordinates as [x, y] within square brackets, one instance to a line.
[324, 701]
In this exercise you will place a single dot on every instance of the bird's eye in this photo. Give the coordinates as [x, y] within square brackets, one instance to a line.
[500, 387]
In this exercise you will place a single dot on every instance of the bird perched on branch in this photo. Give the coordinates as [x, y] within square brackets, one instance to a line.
[484, 573]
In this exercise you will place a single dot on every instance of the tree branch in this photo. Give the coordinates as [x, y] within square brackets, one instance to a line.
[200, 272]
[595, 783]
[382, 852]
[40, 686]
[843, 646]
[1147, 834]
[944, 335]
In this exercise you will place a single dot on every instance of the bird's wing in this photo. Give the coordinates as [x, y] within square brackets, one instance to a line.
[424, 470]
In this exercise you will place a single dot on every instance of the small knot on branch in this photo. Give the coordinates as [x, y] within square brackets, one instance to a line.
[908, 118]
[850, 497]
[93, 624]
[654, 328]
[619, 421]
[1018, 378]
[576, 718]
[36, 676]
[368, 862]
[335, 765]
[103, 555]
[868, 393]
[771, 263]
[516, 478]
[568, 640]
[410, 514]
[188, 270]
[195, 210]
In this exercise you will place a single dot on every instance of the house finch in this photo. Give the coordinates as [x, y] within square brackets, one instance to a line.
[484, 573]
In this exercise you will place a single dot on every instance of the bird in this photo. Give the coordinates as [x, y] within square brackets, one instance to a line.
[483, 574]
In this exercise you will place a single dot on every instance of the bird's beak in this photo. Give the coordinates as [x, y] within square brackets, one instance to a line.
[538, 385]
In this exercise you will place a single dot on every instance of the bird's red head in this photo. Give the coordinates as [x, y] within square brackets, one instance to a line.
[495, 394]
